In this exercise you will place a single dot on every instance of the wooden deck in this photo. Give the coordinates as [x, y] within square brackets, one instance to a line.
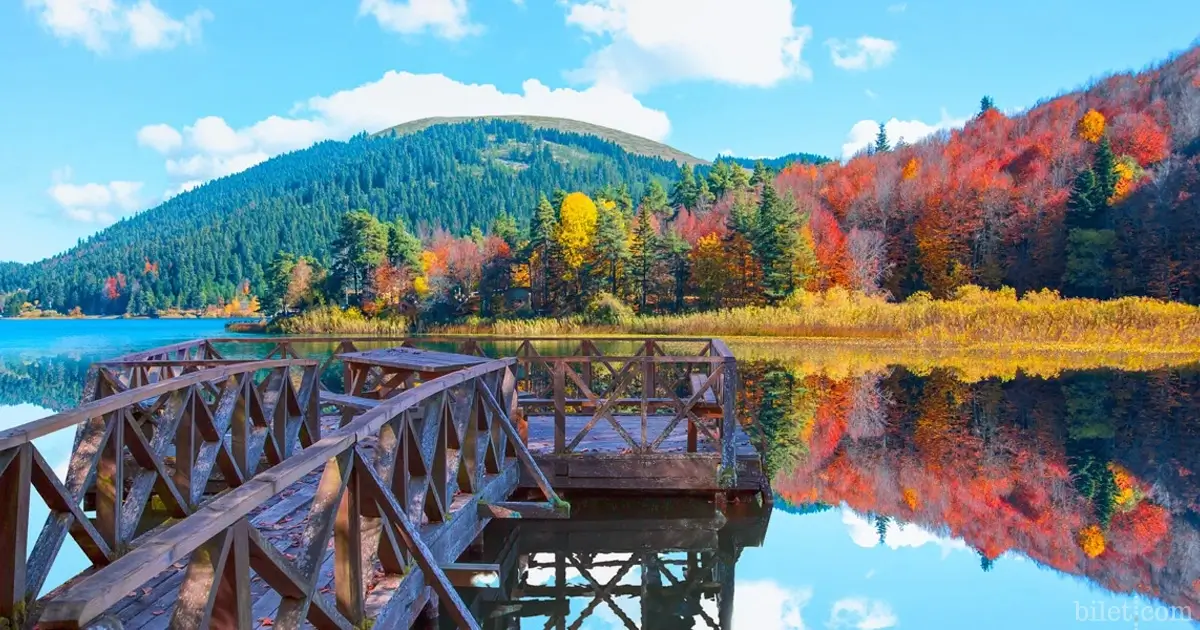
[210, 491]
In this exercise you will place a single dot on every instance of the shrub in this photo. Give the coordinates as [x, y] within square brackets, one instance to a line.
[607, 309]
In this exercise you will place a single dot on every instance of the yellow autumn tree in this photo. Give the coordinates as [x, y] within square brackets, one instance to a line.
[1091, 126]
[1128, 172]
[576, 224]
[911, 169]
[1091, 540]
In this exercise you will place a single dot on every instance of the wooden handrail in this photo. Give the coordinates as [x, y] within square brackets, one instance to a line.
[340, 454]
[30, 431]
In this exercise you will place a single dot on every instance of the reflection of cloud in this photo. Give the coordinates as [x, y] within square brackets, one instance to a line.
[767, 605]
[861, 613]
[863, 533]
[544, 575]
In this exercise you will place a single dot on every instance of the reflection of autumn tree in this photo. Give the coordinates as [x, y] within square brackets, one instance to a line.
[781, 408]
[1093, 473]
[52, 382]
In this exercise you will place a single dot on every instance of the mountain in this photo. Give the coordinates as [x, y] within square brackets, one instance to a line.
[631, 143]
[212, 243]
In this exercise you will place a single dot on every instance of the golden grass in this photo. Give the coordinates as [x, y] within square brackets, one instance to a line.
[335, 320]
[976, 320]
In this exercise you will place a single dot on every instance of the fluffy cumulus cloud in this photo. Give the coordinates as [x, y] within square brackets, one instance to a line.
[863, 53]
[861, 613]
[102, 24]
[210, 147]
[649, 43]
[94, 203]
[862, 134]
[864, 534]
[446, 18]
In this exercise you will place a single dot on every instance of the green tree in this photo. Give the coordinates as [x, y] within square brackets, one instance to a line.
[881, 140]
[1104, 164]
[675, 250]
[403, 248]
[644, 256]
[686, 191]
[540, 249]
[279, 274]
[986, 104]
[775, 239]
[505, 227]
[656, 199]
[360, 247]
[611, 245]
[761, 174]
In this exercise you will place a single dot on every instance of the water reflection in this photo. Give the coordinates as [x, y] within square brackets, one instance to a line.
[1092, 474]
[904, 497]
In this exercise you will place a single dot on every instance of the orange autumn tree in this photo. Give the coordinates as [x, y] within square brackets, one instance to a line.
[1091, 126]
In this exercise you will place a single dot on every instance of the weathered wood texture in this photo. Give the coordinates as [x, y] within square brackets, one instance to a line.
[394, 493]
[144, 457]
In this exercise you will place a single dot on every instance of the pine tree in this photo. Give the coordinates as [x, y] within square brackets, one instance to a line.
[541, 243]
[675, 250]
[656, 199]
[761, 174]
[774, 241]
[403, 249]
[361, 245]
[1104, 164]
[610, 244]
[684, 194]
[505, 227]
[986, 104]
[644, 256]
[881, 140]
[1081, 205]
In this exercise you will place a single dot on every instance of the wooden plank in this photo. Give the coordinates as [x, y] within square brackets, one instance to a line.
[472, 575]
[414, 359]
[523, 509]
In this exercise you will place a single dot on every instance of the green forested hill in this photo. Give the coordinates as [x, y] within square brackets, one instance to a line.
[200, 247]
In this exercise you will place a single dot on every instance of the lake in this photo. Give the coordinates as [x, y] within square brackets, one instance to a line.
[917, 496]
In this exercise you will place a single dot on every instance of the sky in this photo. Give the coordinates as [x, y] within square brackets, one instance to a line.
[108, 107]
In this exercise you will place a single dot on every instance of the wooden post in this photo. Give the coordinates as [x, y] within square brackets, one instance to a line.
[347, 549]
[14, 528]
[729, 375]
[560, 406]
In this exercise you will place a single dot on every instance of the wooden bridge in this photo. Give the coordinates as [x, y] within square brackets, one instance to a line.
[207, 488]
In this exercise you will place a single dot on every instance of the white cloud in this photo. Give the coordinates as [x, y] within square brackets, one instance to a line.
[864, 53]
[861, 613]
[864, 534]
[160, 137]
[94, 203]
[650, 43]
[99, 24]
[449, 19]
[862, 134]
[899, 7]
[871, 93]
[211, 148]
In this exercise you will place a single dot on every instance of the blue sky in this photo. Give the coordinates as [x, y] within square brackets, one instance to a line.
[109, 106]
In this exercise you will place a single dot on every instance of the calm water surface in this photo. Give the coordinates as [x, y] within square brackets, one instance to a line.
[903, 499]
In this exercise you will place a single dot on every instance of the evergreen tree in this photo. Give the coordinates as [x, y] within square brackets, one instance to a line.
[881, 140]
[1105, 166]
[403, 249]
[775, 239]
[611, 245]
[541, 244]
[986, 104]
[985, 562]
[761, 174]
[656, 199]
[361, 246]
[279, 274]
[644, 256]
[505, 227]
[685, 192]
[1082, 211]
[675, 250]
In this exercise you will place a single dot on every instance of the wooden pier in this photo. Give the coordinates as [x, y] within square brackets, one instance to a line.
[337, 483]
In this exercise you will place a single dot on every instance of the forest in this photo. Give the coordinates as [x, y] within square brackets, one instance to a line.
[1093, 193]
[211, 245]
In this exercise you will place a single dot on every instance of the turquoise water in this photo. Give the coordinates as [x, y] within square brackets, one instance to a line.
[903, 499]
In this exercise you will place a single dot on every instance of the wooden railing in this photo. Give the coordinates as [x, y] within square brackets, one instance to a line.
[694, 383]
[439, 457]
[143, 458]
